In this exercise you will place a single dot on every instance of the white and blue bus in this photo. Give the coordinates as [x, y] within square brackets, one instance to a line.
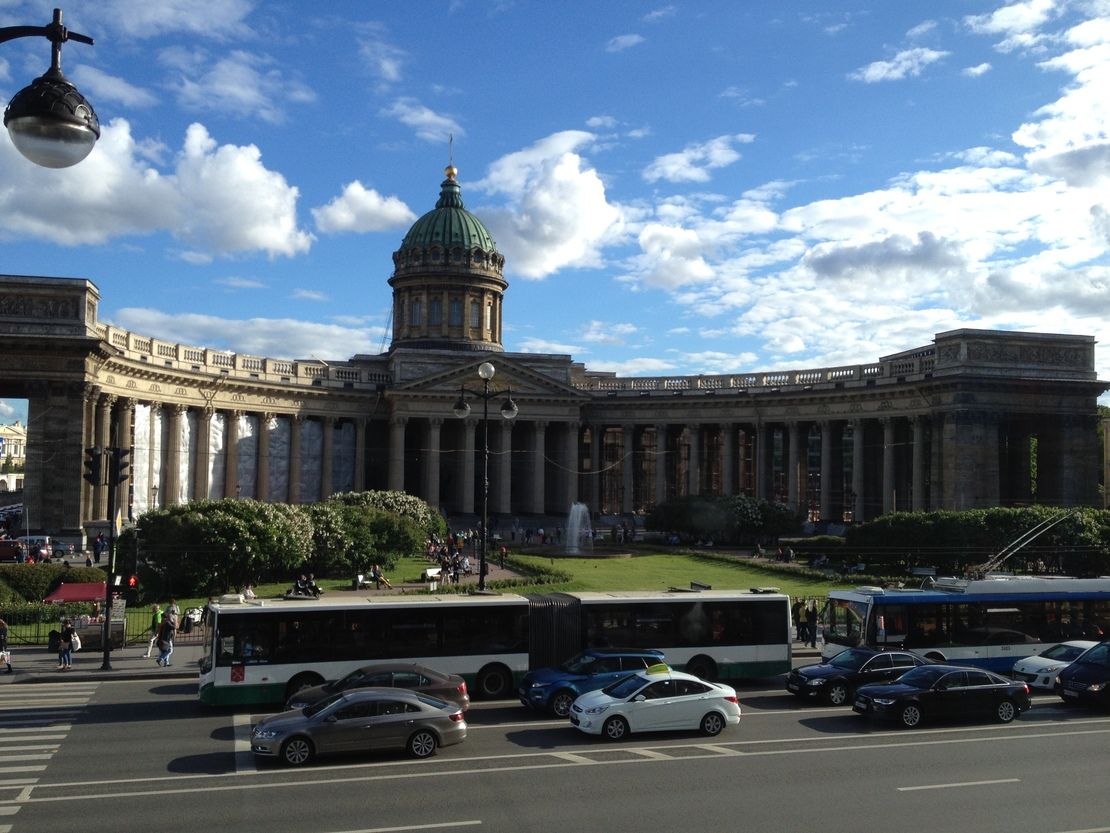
[989, 622]
[261, 651]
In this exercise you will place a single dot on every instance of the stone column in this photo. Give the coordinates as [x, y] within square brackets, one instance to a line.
[124, 417]
[262, 468]
[203, 450]
[742, 467]
[466, 468]
[103, 442]
[826, 469]
[918, 463]
[857, 470]
[764, 449]
[431, 462]
[296, 421]
[660, 463]
[728, 459]
[171, 471]
[397, 453]
[231, 453]
[91, 395]
[597, 432]
[888, 465]
[570, 459]
[693, 471]
[538, 466]
[360, 454]
[628, 435]
[327, 458]
[503, 502]
[794, 481]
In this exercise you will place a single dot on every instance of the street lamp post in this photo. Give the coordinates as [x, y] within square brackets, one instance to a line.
[50, 122]
[508, 411]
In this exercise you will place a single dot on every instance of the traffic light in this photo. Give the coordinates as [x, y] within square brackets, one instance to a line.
[120, 465]
[93, 473]
[132, 582]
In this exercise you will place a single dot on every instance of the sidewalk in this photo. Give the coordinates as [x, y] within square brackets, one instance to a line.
[34, 664]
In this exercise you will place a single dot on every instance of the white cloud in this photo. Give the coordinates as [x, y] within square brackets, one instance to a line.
[558, 215]
[921, 29]
[360, 209]
[635, 367]
[309, 295]
[1018, 22]
[428, 124]
[215, 19]
[601, 122]
[603, 332]
[101, 87]
[977, 70]
[233, 282]
[662, 13]
[217, 200]
[622, 42]
[272, 337]
[241, 84]
[539, 345]
[694, 161]
[384, 60]
[908, 62]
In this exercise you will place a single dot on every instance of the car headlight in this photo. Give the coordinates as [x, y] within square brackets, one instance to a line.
[296, 704]
[818, 681]
[540, 685]
[265, 734]
[884, 701]
[1058, 680]
[596, 709]
[1096, 686]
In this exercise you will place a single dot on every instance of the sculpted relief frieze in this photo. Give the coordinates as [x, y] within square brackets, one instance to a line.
[17, 306]
[1027, 354]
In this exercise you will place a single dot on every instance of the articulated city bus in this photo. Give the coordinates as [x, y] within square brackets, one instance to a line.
[261, 651]
[713, 634]
[989, 622]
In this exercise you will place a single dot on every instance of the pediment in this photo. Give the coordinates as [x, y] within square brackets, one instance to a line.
[513, 373]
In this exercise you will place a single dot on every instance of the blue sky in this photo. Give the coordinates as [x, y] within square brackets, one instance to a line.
[677, 188]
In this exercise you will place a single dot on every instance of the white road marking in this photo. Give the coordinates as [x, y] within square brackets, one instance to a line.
[1089, 830]
[4, 757]
[9, 810]
[22, 768]
[434, 826]
[244, 759]
[959, 784]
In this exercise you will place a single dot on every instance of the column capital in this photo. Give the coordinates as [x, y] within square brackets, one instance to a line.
[398, 421]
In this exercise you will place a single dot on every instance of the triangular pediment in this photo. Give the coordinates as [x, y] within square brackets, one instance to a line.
[524, 376]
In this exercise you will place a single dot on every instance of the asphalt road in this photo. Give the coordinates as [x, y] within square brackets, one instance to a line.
[142, 755]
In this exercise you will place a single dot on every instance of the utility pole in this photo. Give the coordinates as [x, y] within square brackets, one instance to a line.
[111, 466]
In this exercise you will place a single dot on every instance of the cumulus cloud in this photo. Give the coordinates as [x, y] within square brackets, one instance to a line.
[213, 19]
[362, 209]
[539, 345]
[428, 124]
[693, 162]
[622, 42]
[1017, 22]
[240, 84]
[309, 295]
[644, 366]
[603, 332]
[907, 63]
[271, 337]
[233, 282]
[216, 199]
[557, 215]
[101, 87]
[977, 70]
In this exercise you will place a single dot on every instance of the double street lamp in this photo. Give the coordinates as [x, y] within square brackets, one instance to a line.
[50, 122]
[508, 411]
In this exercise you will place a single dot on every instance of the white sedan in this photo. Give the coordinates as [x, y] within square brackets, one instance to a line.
[1040, 670]
[656, 699]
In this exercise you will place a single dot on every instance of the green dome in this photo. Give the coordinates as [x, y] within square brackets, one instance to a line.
[449, 223]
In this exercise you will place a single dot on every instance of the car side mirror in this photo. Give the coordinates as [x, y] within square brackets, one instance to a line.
[331, 718]
[639, 698]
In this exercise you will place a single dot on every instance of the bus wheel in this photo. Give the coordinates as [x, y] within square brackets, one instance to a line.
[494, 682]
[561, 702]
[301, 681]
[702, 667]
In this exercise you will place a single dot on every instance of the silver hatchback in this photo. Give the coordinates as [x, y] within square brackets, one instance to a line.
[360, 720]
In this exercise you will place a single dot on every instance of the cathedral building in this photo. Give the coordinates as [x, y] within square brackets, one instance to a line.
[976, 418]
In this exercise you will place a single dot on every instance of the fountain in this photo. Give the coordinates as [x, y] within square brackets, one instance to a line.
[580, 534]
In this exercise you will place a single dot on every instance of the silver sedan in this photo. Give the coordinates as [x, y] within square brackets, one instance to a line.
[360, 720]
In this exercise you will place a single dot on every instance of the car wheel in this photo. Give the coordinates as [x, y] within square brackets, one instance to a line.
[297, 751]
[712, 724]
[615, 728]
[837, 694]
[494, 682]
[561, 702]
[911, 715]
[423, 744]
[1005, 711]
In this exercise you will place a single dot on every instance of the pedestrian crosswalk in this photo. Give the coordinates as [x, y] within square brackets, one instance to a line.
[34, 720]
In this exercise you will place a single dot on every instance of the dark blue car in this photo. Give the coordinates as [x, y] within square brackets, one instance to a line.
[555, 689]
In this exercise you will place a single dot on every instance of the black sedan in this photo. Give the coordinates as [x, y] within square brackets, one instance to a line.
[935, 691]
[836, 680]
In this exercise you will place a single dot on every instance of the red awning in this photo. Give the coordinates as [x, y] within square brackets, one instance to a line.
[77, 591]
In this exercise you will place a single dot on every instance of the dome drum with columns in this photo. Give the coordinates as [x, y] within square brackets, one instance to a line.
[973, 419]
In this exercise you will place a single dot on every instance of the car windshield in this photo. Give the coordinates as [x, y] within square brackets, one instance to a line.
[1062, 652]
[625, 687]
[352, 679]
[1098, 655]
[579, 664]
[316, 708]
[851, 660]
[923, 676]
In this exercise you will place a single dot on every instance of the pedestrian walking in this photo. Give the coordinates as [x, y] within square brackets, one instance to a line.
[796, 615]
[65, 646]
[155, 625]
[166, 633]
[811, 623]
[5, 654]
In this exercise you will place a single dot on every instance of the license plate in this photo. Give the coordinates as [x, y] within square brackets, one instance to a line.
[861, 704]
[1069, 693]
[792, 686]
